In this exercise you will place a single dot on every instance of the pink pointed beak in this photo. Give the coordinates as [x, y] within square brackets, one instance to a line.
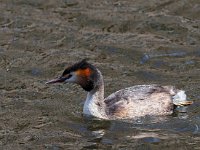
[57, 80]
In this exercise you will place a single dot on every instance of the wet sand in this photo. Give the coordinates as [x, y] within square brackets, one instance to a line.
[131, 42]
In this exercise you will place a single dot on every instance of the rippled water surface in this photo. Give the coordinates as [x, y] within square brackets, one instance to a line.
[131, 42]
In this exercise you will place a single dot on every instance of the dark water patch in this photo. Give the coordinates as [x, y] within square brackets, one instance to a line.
[5, 23]
[189, 62]
[147, 57]
[151, 140]
[110, 49]
[197, 52]
[53, 147]
[70, 3]
[120, 27]
[168, 64]
[145, 75]
[159, 26]
[29, 3]
[86, 21]
[144, 58]
[37, 4]
[35, 72]
[94, 124]
[12, 84]
[159, 64]
[149, 133]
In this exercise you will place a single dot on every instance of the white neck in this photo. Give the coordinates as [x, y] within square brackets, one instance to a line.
[94, 104]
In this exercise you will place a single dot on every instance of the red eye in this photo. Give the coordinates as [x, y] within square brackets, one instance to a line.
[69, 76]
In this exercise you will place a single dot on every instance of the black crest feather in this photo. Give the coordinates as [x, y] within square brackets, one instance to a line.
[83, 64]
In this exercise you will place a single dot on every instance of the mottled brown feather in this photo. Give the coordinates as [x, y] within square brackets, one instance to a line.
[141, 101]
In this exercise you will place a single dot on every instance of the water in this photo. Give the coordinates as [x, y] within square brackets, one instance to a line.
[131, 42]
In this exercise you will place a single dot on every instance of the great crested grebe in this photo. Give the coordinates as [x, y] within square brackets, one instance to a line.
[135, 101]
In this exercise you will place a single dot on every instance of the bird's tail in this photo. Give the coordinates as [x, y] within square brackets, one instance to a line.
[180, 99]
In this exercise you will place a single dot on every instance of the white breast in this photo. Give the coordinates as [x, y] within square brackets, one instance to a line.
[90, 107]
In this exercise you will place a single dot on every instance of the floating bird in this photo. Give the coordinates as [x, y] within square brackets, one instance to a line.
[131, 102]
